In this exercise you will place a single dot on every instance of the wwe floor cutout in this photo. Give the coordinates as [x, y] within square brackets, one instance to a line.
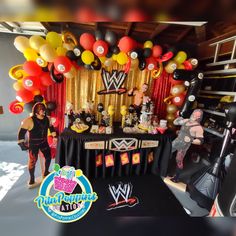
[37, 125]
[191, 132]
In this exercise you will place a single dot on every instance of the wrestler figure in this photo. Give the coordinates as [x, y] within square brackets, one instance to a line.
[191, 132]
[37, 126]
[138, 97]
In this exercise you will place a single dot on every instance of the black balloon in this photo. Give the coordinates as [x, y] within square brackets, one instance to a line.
[78, 50]
[98, 35]
[51, 106]
[28, 106]
[100, 107]
[110, 38]
[114, 49]
[80, 62]
[147, 52]
[71, 55]
[56, 78]
[142, 63]
[173, 49]
[38, 98]
[109, 54]
[45, 69]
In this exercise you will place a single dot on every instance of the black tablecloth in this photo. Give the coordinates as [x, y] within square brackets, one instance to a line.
[71, 151]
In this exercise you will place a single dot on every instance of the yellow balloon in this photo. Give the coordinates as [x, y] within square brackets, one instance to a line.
[171, 66]
[102, 59]
[177, 89]
[54, 39]
[114, 57]
[68, 46]
[123, 110]
[61, 51]
[30, 54]
[122, 58]
[36, 42]
[21, 43]
[18, 86]
[180, 57]
[87, 57]
[47, 52]
[111, 110]
[148, 44]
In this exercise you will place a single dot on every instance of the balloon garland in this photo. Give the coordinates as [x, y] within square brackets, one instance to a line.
[51, 59]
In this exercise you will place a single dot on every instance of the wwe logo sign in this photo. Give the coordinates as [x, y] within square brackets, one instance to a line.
[113, 82]
[122, 196]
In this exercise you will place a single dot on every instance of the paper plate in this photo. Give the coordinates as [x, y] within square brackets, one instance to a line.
[73, 127]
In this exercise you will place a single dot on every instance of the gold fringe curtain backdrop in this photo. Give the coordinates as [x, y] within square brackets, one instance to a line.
[85, 85]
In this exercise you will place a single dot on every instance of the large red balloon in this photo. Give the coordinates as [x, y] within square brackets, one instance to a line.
[151, 63]
[45, 79]
[100, 48]
[156, 51]
[178, 100]
[31, 83]
[32, 68]
[62, 64]
[24, 95]
[86, 41]
[126, 44]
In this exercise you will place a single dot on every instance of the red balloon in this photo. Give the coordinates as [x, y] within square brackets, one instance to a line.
[126, 44]
[45, 79]
[156, 51]
[178, 100]
[187, 65]
[166, 57]
[86, 41]
[31, 83]
[32, 68]
[15, 107]
[136, 15]
[100, 48]
[24, 95]
[151, 63]
[62, 64]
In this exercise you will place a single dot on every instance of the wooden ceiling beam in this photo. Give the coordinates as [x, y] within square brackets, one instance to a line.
[159, 29]
[7, 26]
[200, 32]
[129, 28]
[46, 25]
[183, 34]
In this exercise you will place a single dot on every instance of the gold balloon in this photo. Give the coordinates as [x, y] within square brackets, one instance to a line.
[108, 62]
[68, 37]
[171, 108]
[170, 117]
[47, 52]
[177, 89]
[157, 73]
[30, 54]
[180, 57]
[54, 39]
[181, 67]
[168, 100]
[194, 62]
[171, 66]
[61, 51]
[148, 44]
[36, 42]
[21, 43]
